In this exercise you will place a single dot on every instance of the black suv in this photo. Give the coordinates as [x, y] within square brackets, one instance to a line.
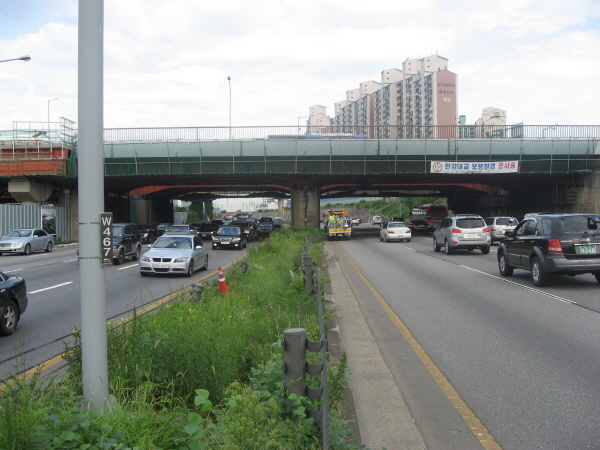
[127, 242]
[547, 244]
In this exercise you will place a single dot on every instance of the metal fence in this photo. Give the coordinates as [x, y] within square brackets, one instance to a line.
[14, 216]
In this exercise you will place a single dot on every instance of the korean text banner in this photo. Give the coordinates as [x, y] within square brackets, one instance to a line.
[474, 167]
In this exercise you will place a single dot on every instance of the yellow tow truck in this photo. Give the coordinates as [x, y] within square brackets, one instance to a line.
[338, 227]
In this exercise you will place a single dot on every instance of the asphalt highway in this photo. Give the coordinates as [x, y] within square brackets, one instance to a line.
[524, 360]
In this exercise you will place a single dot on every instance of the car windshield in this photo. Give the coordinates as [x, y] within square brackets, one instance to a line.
[173, 242]
[118, 231]
[224, 231]
[180, 228]
[20, 233]
[397, 225]
[576, 225]
[470, 222]
[506, 221]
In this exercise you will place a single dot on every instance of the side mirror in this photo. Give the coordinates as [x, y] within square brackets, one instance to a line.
[149, 245]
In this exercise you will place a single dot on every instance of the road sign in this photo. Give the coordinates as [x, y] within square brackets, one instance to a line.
[106, 238]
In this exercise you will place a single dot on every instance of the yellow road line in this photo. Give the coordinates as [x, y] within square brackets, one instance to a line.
[479, 430]
[53, 361]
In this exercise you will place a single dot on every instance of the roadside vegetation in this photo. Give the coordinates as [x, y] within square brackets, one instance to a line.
[193, 374]
[394, 207]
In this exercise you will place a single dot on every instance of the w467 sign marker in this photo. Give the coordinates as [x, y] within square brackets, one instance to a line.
[106, 238]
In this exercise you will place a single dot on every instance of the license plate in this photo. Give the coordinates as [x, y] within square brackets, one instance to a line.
[470, 235]
[587, 249]
[161, 266]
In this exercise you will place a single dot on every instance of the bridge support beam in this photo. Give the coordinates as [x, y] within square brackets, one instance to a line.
[29, 192]
[305, 206]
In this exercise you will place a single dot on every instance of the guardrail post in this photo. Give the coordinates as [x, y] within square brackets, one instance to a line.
[308, 273]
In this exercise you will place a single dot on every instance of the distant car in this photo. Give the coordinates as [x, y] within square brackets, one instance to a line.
[162, 227]
[181, 229]
[208, 230]
[462, 232]
[354, 221]
[13, 302]
[248, 228]
[547, 244]
[277, 222]
[395, 231]
[229, 237]
[499, 225]
[175, 254]
[26, 240]
[376, 220]
[149, 233]
[265, 229]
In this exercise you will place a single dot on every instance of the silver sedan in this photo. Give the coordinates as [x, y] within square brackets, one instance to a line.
[27, 240]
[175, 254]
[395, 231]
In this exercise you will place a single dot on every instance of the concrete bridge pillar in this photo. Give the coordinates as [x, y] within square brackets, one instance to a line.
[588, 198]
[305, 206]
[29, 192]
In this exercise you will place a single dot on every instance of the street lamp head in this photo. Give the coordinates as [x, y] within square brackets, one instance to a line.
[24, 58]
[228, 78]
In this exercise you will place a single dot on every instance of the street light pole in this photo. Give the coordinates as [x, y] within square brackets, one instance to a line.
[20, 58]
[229, 81]
[49, 114]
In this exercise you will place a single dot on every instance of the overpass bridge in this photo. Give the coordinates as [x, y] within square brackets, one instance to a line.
[480, 169]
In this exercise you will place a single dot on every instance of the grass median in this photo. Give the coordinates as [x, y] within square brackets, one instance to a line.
[193, 374]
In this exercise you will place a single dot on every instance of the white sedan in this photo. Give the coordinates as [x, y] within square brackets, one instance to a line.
[175, 254]
[27, 240]
[395, 231]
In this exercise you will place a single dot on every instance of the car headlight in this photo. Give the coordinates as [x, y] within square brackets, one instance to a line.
[182, 259]
[235, 240]
[145, 259]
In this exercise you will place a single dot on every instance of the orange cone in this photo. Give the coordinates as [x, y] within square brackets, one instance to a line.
[223, 289]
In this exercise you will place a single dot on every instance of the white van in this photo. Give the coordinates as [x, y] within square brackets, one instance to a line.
[376, 220]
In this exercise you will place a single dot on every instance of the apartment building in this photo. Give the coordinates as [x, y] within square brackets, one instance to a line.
[423, 93]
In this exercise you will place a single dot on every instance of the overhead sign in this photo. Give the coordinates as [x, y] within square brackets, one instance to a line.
[106, 238]
[474, 167]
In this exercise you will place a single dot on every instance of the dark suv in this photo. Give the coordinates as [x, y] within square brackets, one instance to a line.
[547, 244]
[127, 242]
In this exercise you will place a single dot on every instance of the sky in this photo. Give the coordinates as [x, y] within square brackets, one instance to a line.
[166, 62]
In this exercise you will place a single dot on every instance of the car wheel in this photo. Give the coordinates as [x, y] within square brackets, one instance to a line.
[136, 255]
[48, 247]
[190, 271]
[597, 275]
[205, 266]
[380, 238]
[485, 250]
[9, 316]
[539, 277]
[386, 239]
[447, 248]
[120, 258]
[436, 246]
[27, 250]
[408, 240]
[505, 269]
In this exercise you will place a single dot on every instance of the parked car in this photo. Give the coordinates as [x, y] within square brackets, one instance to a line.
[207, 231]
[162, 227]
[181, 229]
[26, 240]
[462, 232]
[354, 221]
[499, 225]
[265, 229]
[175, 254]
[547, 244]
[395, 231]
[229, 236]
[127, 242]
[13, 302]
[149, 233]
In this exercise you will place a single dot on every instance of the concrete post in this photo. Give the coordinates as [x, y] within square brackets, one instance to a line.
[305, 206]
[91, 203]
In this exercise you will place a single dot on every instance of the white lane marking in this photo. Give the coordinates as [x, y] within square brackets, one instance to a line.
[51, 287]
[556, 297]
[14, 270]
[70, 260]
[128, 267]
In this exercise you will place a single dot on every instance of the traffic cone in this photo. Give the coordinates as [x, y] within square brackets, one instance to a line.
[223, 289]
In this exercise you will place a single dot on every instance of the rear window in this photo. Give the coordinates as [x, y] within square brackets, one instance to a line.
[505, 221]
[397, 225]
[576, 225]
[473, 222]
[437, 209]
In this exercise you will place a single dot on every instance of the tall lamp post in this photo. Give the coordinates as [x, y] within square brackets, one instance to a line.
[229, 81]
[49, 114]
[20, 58]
